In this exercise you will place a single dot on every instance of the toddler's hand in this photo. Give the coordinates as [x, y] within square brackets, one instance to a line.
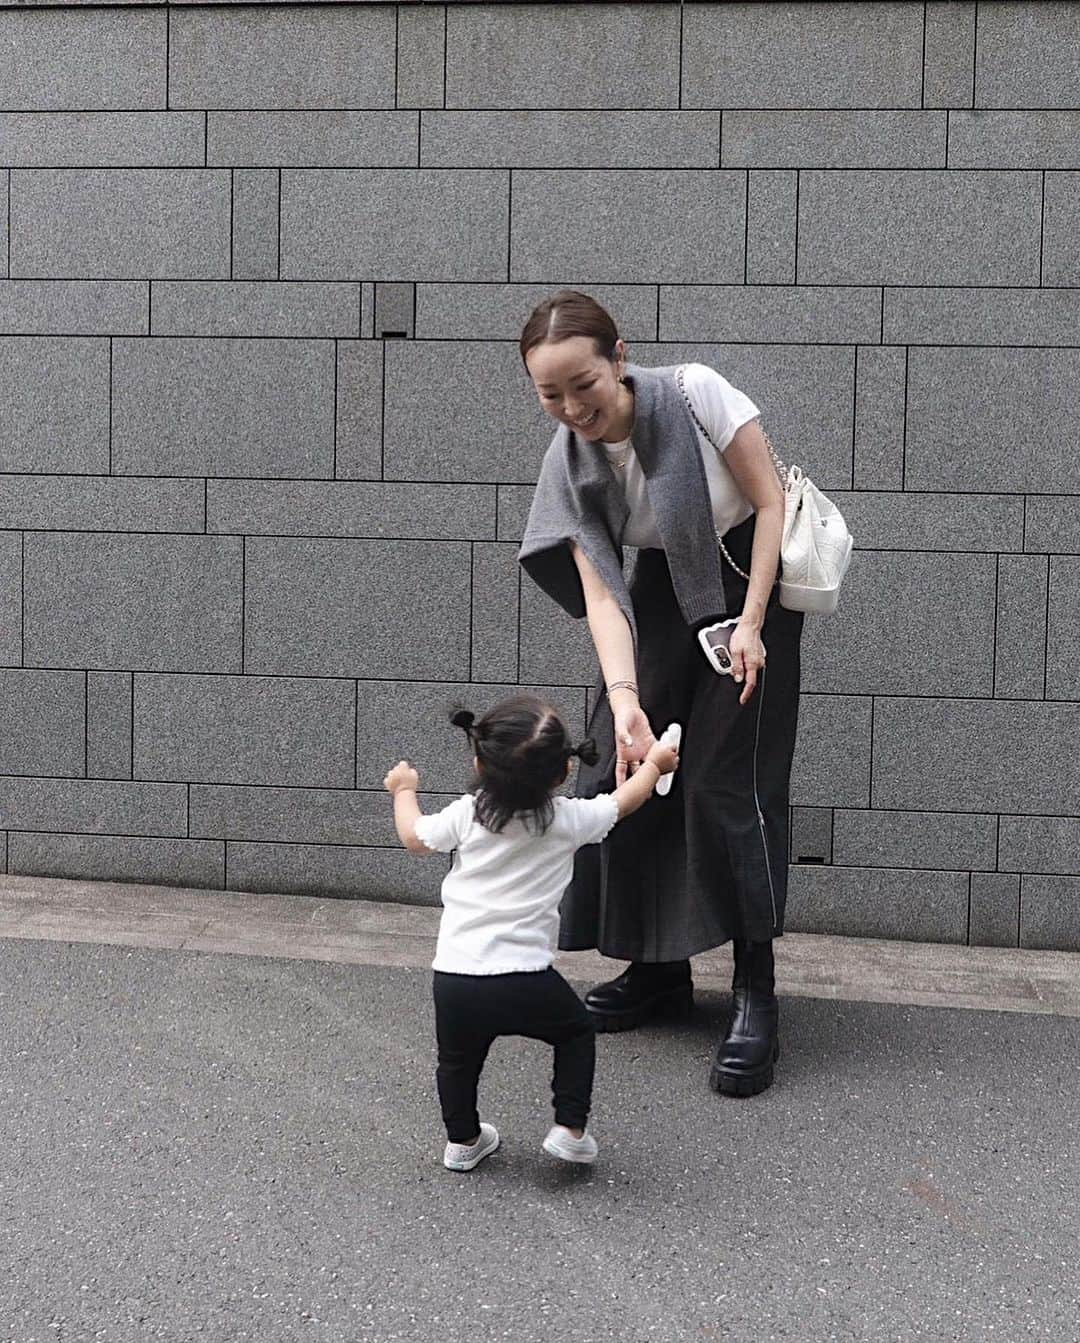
[663, 757]
[401, 776]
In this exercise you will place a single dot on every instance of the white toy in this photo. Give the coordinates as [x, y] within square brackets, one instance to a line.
[672, 736]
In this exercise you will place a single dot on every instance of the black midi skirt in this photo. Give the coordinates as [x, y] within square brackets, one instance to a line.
[709, 862]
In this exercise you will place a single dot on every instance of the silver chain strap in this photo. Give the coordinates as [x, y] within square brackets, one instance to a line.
[781, 469]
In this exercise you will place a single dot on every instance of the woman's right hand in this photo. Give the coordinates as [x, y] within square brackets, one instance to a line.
[633, 736]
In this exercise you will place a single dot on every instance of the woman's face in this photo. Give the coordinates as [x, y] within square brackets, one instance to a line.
[579, 387]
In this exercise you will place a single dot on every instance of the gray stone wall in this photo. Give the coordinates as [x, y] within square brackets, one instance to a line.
[267, 447]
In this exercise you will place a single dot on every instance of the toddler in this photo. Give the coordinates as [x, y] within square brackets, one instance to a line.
[514, 843]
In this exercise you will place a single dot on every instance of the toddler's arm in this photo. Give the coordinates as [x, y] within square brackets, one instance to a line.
[402, 783]
[639, 787]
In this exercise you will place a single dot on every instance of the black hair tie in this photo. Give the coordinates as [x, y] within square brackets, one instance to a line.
[586, 752]
[464, 719]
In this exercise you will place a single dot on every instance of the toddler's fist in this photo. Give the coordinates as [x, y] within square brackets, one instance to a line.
[663, 757]
[401, 776]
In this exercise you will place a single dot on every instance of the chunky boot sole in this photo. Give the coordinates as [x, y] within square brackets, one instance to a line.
[674, 1003]
[743, 1084]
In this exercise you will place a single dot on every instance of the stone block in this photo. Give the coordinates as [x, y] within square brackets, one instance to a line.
[802, 56]
[832, 752]
[554, 56]
[977, 228]
[357, 608]
[223, 407]
[341, 508]
[254, 309]
[995, 910]
[1026, 55]
[1046, 844]
[53, 59]
[940, 522]
[1049, 913]
[1061, 238]
[499, 311]
[496, 581]
[421, 56]
[367, 310]
[102, 139]
[805, 393]
[312, 139]
[255, 215]
[906, 621]
[545, 139]
[964, 406]
[1014, 140]
[429, 224]
[198, 863]
[297, 815]
[811, 834]
[982, 316]
[806, 139]
[677, 227]
[439, 394]
[246, 730]
[108, 733]
[73, 307]
[772, 208]
[86, 806]
[392, 875]
[410, 721]
[157, 603]
[942, 841]
[282, 57]
[553, 647]
[395, 308]
[513, 505]
[101, 504]
[358, 430]
[967, 755]
[43, 722]
[1052, 525]
[11, 598]
[1063, 614]
[118, 224]
[1020, 643]
[810, 314]
[54, 414]
[880, 406]
[878, 902]
[949, 55]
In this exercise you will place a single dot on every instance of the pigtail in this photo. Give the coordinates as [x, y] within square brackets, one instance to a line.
[464, 719]
[586, 752]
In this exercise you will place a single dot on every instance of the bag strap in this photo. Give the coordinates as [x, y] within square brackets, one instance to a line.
[781, 469]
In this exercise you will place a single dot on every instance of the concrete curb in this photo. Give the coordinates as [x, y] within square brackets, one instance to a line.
[359, 932]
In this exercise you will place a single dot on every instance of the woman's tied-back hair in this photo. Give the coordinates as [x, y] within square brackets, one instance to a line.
[569, 313]
[521, 748]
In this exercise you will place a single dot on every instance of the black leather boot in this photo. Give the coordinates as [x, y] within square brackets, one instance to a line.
[643, 990]
[745, 1057]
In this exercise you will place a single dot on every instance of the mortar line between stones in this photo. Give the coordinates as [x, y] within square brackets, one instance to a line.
[509, 222]
[881, 337]
[397, 55]
[149, 307]
[974, 53]
[205, 504]
[110, 471]
[356, 735]
[86, 724]
[870, 788]
[517, 670]
[9, 223]
[445, 47]
[903, 441]
[798, 184]
[22, 598]
[1046, 629]
[279, 223]
[993, 636]
[188, 805]
[1042, 225]
[854, 412]
[243, 598]
[382, 406]
[206, 140]
[922, 67]
[680, 97]
[168, 16]
[131, 728]
[472, 585]
[967, 936]
[720, 143]
[333, 468]
[746, 233]
[658, 289]
[1023, 524]
[948, 115]
[997, 844]
[232, 183]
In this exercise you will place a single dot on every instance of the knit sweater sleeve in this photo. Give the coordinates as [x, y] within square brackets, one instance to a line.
[554, 522]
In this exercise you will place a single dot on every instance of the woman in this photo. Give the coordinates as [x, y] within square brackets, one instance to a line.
[668, 460]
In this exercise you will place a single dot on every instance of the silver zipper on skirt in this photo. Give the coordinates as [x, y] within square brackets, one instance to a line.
[757, 800]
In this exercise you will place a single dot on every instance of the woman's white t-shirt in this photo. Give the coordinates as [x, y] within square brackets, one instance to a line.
[723, 409]
[501, 896]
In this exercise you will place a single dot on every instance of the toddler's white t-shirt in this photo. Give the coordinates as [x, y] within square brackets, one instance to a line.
[501, 896]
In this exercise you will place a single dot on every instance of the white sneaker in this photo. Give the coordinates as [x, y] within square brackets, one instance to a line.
[464, 1155]
[561, 1142]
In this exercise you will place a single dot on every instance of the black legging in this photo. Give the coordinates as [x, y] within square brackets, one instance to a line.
[471, 1011]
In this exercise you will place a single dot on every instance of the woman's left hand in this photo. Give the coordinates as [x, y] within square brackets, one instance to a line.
[747, 657]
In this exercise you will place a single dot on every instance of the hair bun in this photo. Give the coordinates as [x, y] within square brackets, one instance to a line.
[463, 718]
[586, 752]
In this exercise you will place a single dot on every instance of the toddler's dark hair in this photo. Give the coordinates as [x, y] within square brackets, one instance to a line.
[522, 746]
